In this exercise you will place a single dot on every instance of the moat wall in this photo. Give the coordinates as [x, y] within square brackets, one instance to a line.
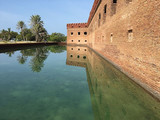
[128, 34]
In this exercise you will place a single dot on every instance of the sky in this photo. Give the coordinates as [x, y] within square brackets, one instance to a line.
[54, 13]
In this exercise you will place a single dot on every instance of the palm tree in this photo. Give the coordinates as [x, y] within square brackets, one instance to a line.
[9, 33]
[36, 26]
[21, 26]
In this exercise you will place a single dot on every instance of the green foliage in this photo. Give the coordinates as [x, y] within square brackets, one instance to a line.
[18, 37]
[8, 34]
[36, 33]
[28, 36]
[21, 26]
[4, 34]
[13, 34]
[57, 37]
[57, 49]
[37, 28]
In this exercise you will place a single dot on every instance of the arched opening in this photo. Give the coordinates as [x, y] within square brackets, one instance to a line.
[78, 56]
[114, 1]
[105, 9]
[84, 57]
[85, 33]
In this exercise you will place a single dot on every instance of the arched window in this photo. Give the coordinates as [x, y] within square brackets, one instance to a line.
[105, 9]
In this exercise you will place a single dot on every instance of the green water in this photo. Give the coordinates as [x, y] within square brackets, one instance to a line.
[47, 83]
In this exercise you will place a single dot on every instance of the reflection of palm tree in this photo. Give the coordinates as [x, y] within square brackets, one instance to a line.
[38, 56]
[22, 59]
[37, 62]
[28, 52]
[10, 53]
[57, 49]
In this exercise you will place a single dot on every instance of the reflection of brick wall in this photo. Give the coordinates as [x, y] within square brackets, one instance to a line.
[77, 56]
[129, 36]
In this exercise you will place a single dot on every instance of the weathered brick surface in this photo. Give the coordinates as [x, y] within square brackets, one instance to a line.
[74, 38]
[130, 37]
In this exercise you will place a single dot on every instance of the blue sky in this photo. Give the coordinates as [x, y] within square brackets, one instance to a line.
[55, 13]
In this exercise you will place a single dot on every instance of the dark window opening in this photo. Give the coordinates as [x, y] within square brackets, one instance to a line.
[114, 1]
[84, 57]
[79, 33]
[78, 56]
[71, 33]
[79, 49]
[71, 48]
[130, 31]
[111, 38]
[105, 9]
[85, 49]
[130, 35]
[85, 33]
[79, 41]
[85, 40]
[72, 40]
[71, 55]
[99, 15]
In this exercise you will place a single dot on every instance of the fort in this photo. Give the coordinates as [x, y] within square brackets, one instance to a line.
[127, 33]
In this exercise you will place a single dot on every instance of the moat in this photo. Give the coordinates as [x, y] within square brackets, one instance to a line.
[68, 83]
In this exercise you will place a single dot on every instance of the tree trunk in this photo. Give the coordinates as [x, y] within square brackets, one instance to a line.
[37, 37]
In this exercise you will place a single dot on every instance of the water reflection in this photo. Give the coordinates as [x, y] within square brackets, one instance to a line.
[114, 96]
[37, 55]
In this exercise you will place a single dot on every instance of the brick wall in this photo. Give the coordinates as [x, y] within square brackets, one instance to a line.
[129, 35]
[77, 33]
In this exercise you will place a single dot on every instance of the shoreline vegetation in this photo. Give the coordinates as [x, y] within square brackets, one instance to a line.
[35, 34]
